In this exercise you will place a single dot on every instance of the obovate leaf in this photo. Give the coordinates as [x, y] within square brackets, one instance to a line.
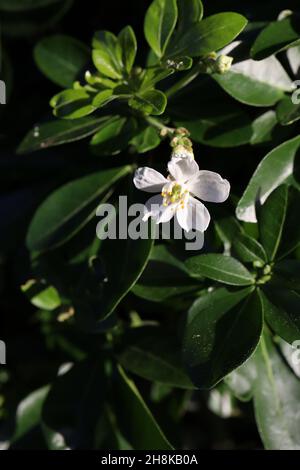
[128, 46]
[287, 111]
[208, 35]
[189, 12]
[221, 333]
[60, 132]
[276, 37]
[113, 136]
[275, 169]
[220, 268]
[107, 54]
[68, 208]
[61, 58]
[146, 140]
[248, 249]
[276, 399]
[72, 104]
[160, 21]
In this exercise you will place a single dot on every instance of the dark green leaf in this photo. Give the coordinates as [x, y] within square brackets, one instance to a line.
[248, 249]
[220, 268]
[107, 54]
[113, 136]
[263, 127]
[60, 132]
[271, 220]
[153, 354]
[221, 333]
[277, 36]
[275, 169]
[61, 58]
[208, 35]
[189, 12]
[66, 210]
[276, 400]
[287, 111]
[133, 415]
[282, 311]
[291, 231]
[160, 21]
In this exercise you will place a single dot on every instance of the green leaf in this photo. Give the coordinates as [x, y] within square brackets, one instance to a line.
[28, 414]
[107, 54]
[75, 403]
[164, 277]
[153, 76]
[288, 271]
[59, 132]
[282, 311]
[154, 355]
[276, 37]
[287, 112]
[221, 333]
[133, 415]
[275, 169]
[69, 208]
[271, 220]
[242, 380]
[147, 139]
[61, 58]
[256, 83]
[149, 102]
[128, 45]
[41, 295]
[102, 98]
[113, 136]
[276, 400]
[248, 249]
[290, 239]
[189, 12]
[263, 127]
[208, 35]
[220, 268]
[72, 104]
[220, 126]
[160, 22]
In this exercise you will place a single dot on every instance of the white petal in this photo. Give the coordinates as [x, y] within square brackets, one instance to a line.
[154, 208]
[194, 216]
[182, 168]
[209, 186]
[149, 180]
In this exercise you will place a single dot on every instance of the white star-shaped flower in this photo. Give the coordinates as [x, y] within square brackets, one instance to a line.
[179, 190]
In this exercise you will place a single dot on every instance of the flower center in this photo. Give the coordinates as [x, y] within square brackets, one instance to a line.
[174, 193]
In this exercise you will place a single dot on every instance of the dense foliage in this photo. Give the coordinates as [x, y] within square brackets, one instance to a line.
[136, 344]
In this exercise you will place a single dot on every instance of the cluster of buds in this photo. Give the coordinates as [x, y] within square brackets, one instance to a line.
[214, 63]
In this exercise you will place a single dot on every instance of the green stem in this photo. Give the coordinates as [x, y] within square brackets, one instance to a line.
[186, 80]
[159, 125]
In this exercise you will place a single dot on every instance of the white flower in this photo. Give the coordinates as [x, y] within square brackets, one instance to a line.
[177, 192]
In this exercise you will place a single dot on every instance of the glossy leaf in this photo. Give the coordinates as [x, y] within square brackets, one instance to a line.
[263, 127]
[113, 136]
[256, 83]
[281, 307]
[153, 354]
[41, 295]
[133, 414]
[59, 132]
[275, 169]
[277, 36]
[271, 220]
[221, 333]
[107, 54]
[208, 35]
[189, 12]
[149, 102]
[160, 21]
[287, 112]
[248, 249]
[66, 210]
[148, 139]
[61, 58]
[220, 268]
[276, 399]
[72, 104]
